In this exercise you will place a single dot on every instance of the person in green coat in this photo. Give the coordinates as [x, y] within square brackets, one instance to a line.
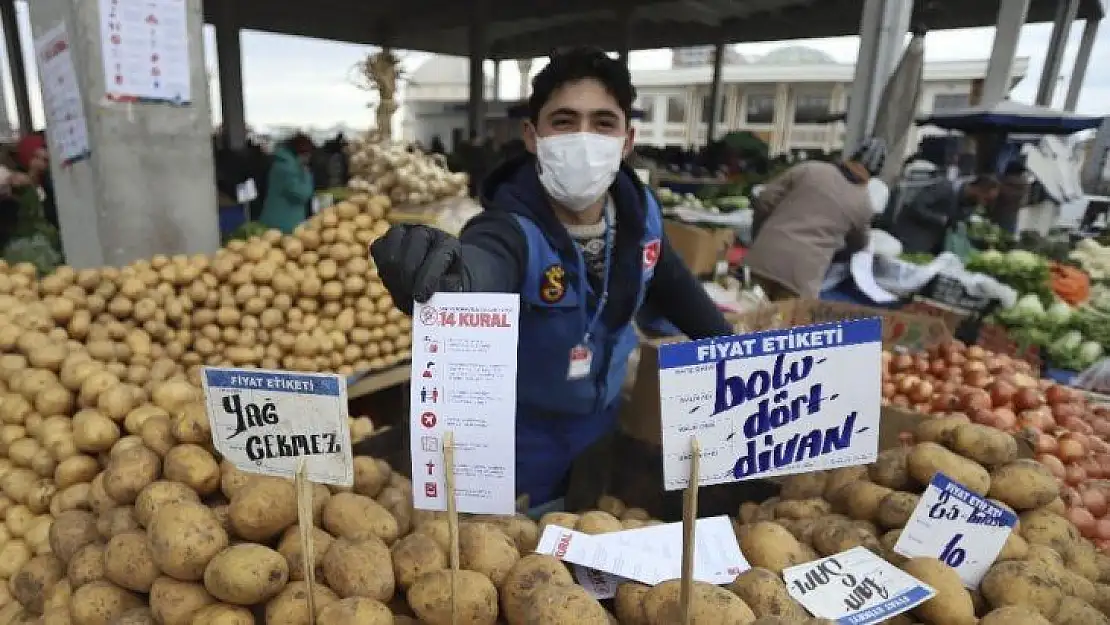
[290, 185]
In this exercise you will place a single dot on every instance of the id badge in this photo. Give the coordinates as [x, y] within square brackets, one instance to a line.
[580, 360]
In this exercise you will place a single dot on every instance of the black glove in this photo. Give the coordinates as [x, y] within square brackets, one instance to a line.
[416, 261]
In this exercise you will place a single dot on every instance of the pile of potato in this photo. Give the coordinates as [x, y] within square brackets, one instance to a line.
[405, 176]
[311, 301]
[1046, 572]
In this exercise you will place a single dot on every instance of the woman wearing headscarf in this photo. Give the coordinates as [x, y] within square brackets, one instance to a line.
[290, 186]
[33, 160]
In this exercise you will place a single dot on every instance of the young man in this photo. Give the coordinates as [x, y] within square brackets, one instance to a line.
[575, 233]
[922, 224]
[806, 216]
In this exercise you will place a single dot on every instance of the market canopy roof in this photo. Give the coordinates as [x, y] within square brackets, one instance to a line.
[1012, 117]
[531, 28]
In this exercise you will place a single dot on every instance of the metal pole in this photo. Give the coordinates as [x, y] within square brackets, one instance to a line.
[1066, 12]
[1082, 61]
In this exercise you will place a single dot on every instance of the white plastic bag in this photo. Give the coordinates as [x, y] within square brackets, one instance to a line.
[1095, 378]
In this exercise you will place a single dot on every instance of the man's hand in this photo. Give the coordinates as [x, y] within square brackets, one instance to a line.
[415, 262]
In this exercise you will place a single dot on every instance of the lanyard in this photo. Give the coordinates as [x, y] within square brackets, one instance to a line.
[591, 323]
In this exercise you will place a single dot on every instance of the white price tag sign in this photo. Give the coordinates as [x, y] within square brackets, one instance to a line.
[771, 403]
[267, 422]
[855, 587]
[957, 527]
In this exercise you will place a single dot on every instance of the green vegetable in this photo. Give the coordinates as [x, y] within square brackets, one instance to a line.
[1020, 270]
[1058, 315]
[917, 258]
[1089, 353]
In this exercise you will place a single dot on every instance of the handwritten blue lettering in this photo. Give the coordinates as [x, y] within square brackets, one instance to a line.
[735, 390]
[797, 448]
[766, 418]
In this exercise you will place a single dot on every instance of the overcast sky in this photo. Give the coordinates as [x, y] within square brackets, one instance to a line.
[307, 82]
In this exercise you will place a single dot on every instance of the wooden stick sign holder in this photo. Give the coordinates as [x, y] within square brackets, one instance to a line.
[306, 525]
[452, 518]
[689, 522]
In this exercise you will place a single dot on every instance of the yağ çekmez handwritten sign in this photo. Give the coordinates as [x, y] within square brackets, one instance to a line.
[855, 587]
[268, 422]
[771, 403]
[957, 527]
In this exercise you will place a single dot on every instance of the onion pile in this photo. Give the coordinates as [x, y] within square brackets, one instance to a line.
[406, 177]
[1070, 436]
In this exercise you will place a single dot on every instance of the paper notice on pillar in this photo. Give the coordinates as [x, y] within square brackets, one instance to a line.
[145, 50]
[771, 403]
[464, 351]
[66, 127]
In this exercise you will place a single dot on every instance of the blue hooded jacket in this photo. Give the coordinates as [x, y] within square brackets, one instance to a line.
[517, 245]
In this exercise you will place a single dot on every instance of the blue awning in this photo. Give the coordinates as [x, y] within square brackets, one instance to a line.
[1012, 117]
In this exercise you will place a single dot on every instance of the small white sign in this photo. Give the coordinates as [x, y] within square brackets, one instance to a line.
[246, 192]
[268, 422]
[855, 587]
[601, 561]
[771, 403]
[464, 350]
[623, 562]
[957, 527]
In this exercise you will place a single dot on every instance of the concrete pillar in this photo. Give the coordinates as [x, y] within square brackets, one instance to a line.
[883, 28]
[783, 120]
[16, 64]
[230, 58]
[892, 44]
[525, 68]
[478, 32]
[1082, 60]
[149, 185]
[1000, 68]
[1066, 12]
[715, 92]
[864, 79]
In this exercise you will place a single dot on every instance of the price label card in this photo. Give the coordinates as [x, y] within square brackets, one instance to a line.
[268, 422]
[855, 587]
[957, 527]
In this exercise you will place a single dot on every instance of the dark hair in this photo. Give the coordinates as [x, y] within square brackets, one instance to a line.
[985, 182]
[1014, 168]
[574, 64]
[300, 143]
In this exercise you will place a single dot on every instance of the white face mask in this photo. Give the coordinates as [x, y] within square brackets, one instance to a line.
[577, 168]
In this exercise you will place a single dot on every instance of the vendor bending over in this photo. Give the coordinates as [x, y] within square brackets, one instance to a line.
[575, 233]
[806, 216]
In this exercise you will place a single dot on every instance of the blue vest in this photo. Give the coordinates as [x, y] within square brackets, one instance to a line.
[555, 312]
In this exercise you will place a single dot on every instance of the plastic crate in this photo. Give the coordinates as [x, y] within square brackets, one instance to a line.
[951, 292]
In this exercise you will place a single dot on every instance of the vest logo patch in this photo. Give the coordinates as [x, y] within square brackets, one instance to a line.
[553, 288]
[651, 253]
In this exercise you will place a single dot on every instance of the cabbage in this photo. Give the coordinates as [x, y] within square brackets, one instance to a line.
[1022, 258]
[1059, 314]
[1089, 352]
[1029, 309]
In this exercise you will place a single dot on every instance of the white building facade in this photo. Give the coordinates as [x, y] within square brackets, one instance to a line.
[785, 98]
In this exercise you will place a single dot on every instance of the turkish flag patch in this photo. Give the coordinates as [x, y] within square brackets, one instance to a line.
[651, 253]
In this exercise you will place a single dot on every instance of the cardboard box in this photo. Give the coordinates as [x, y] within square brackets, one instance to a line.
[700, 248]
[639, 416]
